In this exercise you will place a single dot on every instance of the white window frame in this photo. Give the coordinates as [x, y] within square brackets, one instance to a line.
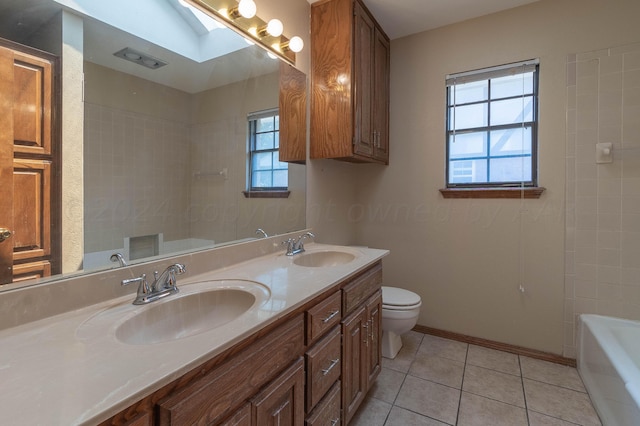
[252, 126]
[488, 74]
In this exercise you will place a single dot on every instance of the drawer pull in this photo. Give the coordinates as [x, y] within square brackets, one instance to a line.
[334, 422]
[334, 362]
[330, 317]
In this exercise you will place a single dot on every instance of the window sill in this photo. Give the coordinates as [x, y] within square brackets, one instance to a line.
[266, 194]
[534, 192]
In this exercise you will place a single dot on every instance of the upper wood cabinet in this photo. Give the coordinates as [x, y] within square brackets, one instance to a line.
[350, 83]
[293, 114]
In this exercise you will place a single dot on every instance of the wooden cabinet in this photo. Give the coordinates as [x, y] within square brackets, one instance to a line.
[350, 83]
[314, 366]
[327, 412]
[323, 367]
[282, 402]
[212, 397]
[361, 334]
[293, 115]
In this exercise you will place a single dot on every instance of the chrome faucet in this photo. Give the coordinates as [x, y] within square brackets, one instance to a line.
[297, 246]
[163, 285]
[260, 231]
[117, 257]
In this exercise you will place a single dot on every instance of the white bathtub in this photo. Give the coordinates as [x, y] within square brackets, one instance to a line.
[609, 363]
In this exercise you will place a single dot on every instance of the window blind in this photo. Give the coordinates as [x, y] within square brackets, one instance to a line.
[493, 72]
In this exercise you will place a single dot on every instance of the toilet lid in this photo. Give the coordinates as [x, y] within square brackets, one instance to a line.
[393, 296]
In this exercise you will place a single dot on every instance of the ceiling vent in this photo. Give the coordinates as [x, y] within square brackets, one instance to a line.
[140, 58]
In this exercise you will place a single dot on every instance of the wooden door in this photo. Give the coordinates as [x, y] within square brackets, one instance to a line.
[354, 377]
[27, 149]
[281, 403]
[363, 64]
[381, 96]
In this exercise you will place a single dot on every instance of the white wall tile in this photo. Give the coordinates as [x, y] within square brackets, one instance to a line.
[607, 86]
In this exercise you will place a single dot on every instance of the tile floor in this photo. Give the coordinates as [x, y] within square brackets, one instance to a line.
[436, 382]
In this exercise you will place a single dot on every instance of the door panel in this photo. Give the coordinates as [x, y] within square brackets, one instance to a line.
[29, 271]
[32, 225]
[32, 104]
[363, 48]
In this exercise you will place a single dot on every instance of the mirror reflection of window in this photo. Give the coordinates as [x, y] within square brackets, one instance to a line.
[266, 172]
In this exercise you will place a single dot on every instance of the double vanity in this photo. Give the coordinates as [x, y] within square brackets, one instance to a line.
[252, 336]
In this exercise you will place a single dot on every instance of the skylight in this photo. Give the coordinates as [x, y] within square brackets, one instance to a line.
[202, 20]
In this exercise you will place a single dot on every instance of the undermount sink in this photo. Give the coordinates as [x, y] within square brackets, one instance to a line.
[198, 308]
[324, 258]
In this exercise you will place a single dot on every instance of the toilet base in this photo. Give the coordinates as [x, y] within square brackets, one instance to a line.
[391, 344]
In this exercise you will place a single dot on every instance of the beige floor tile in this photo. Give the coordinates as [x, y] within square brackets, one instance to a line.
[479, 411]
[412, 339]
[387, 385]
[401, 417]
[429, 399]
[372, 412]
[445, 348]
[440, 370]
[493, 359]
[402, 362]
[561, 403]
[554, 374]
[494, 384]
[538, 419]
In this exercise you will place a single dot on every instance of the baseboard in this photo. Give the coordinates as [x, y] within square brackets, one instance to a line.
[505, 347]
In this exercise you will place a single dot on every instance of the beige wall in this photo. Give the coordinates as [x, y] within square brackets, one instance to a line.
[465, 258]
[468, 258]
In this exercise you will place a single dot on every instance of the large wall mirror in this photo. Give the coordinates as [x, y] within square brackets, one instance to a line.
[155, 105]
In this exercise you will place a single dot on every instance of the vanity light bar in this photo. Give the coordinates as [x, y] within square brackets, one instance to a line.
[140, 58]
[268, 36]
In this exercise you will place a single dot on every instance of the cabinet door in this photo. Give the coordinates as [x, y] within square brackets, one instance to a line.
[282, 401]
[381, 97]
[374, 350]
[364, 29]
[242, 417]
[293, 114]
[354, 353]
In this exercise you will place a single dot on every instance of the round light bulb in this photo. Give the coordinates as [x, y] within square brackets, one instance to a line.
[275, 28]
[296, 44]
[247, 8]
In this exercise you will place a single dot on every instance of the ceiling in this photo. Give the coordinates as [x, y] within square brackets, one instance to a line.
[400, 18]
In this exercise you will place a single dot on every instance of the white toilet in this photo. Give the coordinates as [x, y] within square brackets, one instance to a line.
[400, 310]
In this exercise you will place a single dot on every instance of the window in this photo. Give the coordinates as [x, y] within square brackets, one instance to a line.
[492, 127]
[266, 172]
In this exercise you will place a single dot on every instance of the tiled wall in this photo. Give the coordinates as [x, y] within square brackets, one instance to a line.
[603, 200]
[216, 197]
[122, 149]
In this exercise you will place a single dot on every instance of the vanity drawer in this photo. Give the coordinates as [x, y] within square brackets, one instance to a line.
[209, 398]
[363, 286]
[327, 413]
[323, 367]
[323, 316]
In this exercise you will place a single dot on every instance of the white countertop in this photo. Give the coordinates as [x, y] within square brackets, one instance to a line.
[70, 369]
